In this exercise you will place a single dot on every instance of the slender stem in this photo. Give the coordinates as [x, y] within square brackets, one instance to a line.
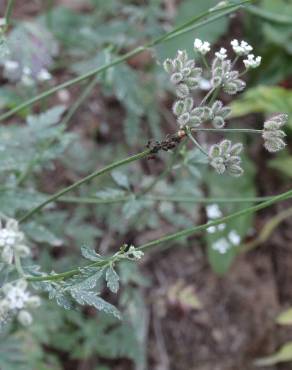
[162, 198]
[84, 180]
[167, 169]
[266, 230]
[207, 96]
[192, 230]
[175, 236]
[197, 144]
[194, 23]
[18, 265]
[214, 96]
[8, 13]
[229, 130]
[235, 61]
[81, 99]
[205, 62]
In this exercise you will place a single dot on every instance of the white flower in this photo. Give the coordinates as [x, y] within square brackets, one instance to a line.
[11, 66]
[15, 300]
[234, 237]
[44, 75]
[242, 48]
[25, 318]
[137, 255]
[213, 211]
[203, 47]
[3, 22]
[204, 84]
[221, 54]
[221, 245]
[11, 241]
[252, 61]
[16, 295]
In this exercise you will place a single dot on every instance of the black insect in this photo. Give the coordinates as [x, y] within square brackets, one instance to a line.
[169, 143]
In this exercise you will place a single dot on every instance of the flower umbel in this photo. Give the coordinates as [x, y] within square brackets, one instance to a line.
[272, 133]
[225, 157]
[183, 73]
[203, 47]
[15, 302]
[242, 48]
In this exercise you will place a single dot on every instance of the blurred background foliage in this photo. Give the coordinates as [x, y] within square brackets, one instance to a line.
[130, 104]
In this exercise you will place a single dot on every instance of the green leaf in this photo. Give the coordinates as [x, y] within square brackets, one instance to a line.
[264, 99]
[121, 179]
[284, 354]
[282, 164]
[227, 186]
[110, 193]
[41, 234]
[90, 254]
[84, 297]
[285, 318]
[112, 279]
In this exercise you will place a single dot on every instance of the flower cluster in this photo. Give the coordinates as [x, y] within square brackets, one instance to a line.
[183, 73]
[203, 47]
[241, 48]
[219, 113]
[16, 301]
[252, 61]
[223, 75]
[225, 157]
[12, 242]
[213, 212]
[224, 244]
[272, 133]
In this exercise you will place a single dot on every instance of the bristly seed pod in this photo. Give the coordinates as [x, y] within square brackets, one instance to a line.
[225, 157]
[183, 73]
[272, 135]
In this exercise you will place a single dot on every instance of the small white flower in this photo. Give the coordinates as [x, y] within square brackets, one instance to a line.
[25, 318]
[11, 66]
[234, 237]
[221, 227]
[221, 54]
[221, 245]
[213, 211]
[252, 61]
[203, 47]
[16, 295]
[11, 241]
[211, 229]
[137, 255]
[3, 22]
[204, 84]
[44, 75]
[242, 48]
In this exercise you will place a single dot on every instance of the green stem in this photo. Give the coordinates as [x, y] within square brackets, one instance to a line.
[8, 13]
[197, 144]
[162, 198]
[229, 130]
[175, 236]
[192, 230]
[18, 265]
[194, 23]
[84, 180]
[168, 168]
[81, 99]
[207, 96]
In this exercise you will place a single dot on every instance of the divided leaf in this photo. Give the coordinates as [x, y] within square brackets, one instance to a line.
[112, 279]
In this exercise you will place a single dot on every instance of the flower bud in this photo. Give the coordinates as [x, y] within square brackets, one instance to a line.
[24, 318]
